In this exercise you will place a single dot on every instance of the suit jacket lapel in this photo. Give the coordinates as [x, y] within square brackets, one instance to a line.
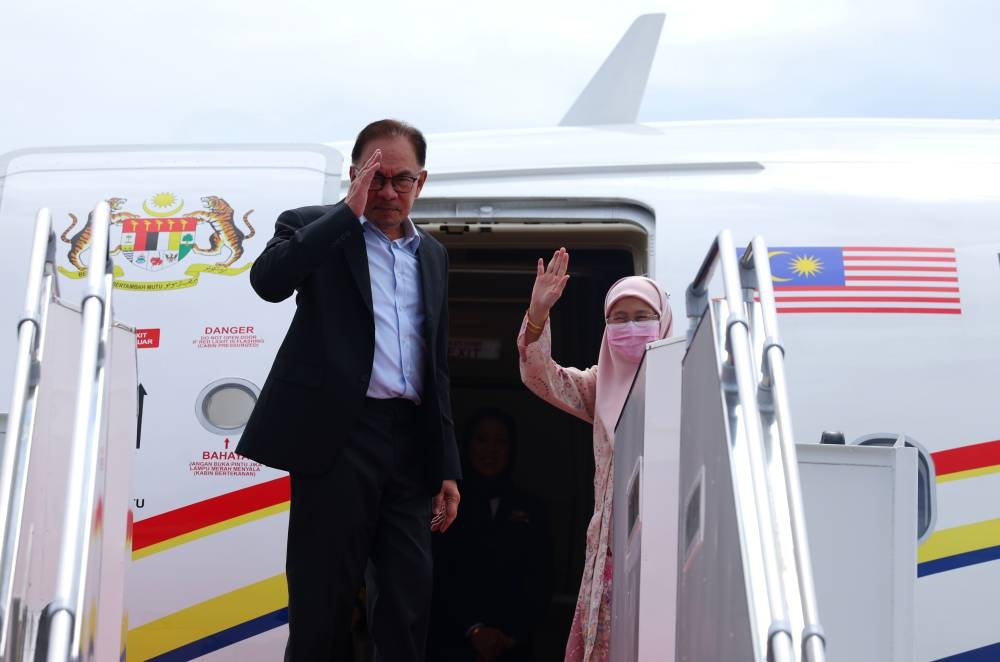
[430, 280]
[356, 254]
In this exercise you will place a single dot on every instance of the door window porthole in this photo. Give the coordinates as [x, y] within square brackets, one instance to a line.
[223, 407]
[926, 479]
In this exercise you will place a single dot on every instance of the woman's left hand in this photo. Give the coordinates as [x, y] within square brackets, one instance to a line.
[550, 282]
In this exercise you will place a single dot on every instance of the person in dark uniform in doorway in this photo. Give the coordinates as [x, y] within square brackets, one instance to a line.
[493, 569]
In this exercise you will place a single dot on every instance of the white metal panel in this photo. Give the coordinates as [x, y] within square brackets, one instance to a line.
[861, 513]
[719, 617]
[646, 496]
[116, 546]
[661, 500]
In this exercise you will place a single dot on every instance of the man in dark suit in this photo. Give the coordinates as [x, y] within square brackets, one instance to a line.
[356, 406]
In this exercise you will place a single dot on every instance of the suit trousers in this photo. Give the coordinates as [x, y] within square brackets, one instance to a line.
[372, 506]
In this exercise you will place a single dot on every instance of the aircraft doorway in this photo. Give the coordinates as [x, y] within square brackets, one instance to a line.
[552, 469]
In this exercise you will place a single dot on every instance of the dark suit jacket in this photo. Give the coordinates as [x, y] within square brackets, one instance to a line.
[317, 384]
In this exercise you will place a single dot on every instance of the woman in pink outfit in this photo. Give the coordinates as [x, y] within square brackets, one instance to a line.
[636, 312]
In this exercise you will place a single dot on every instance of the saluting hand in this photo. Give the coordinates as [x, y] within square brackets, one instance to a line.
[550, 282]
[357, 192]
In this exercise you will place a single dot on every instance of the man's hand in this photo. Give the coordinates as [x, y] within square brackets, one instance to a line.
[489, 643]
[357, 192]
[445, 506]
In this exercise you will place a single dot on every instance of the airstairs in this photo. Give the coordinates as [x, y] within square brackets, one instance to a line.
[711, 556]
[64, 467]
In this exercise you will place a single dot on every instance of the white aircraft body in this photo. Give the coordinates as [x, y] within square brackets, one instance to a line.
[885, 242]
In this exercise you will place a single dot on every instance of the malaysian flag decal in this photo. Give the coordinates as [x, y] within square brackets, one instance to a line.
[865, 279]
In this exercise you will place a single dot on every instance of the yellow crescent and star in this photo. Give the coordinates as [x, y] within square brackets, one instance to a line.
[166, 201]
[800, 265]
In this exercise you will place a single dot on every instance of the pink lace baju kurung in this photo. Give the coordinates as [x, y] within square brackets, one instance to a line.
[575, 391]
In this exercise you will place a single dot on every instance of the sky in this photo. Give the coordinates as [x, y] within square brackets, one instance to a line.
[111, 71]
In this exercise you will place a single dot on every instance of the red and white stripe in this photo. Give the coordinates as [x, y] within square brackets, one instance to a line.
[883, 279]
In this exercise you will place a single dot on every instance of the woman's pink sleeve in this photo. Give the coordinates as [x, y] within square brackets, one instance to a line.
[569, 389]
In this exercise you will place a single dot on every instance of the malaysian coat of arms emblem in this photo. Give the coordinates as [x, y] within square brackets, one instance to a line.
[164, 236]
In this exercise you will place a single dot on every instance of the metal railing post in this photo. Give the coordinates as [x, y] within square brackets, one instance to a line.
[62, 628]
[773, 379]
[779, 637]
[16, 453]
[776, 518]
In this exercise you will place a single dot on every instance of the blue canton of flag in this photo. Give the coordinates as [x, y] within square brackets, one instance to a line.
[804, 266]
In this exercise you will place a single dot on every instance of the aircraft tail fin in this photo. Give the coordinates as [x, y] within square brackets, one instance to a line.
[614, 94]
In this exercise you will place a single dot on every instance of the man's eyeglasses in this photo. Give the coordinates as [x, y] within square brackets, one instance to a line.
[400, 183]
[622, 318]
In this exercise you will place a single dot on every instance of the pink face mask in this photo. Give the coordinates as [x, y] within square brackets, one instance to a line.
[629, 340]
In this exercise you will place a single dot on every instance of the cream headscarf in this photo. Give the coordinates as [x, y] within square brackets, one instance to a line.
[614, 376]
